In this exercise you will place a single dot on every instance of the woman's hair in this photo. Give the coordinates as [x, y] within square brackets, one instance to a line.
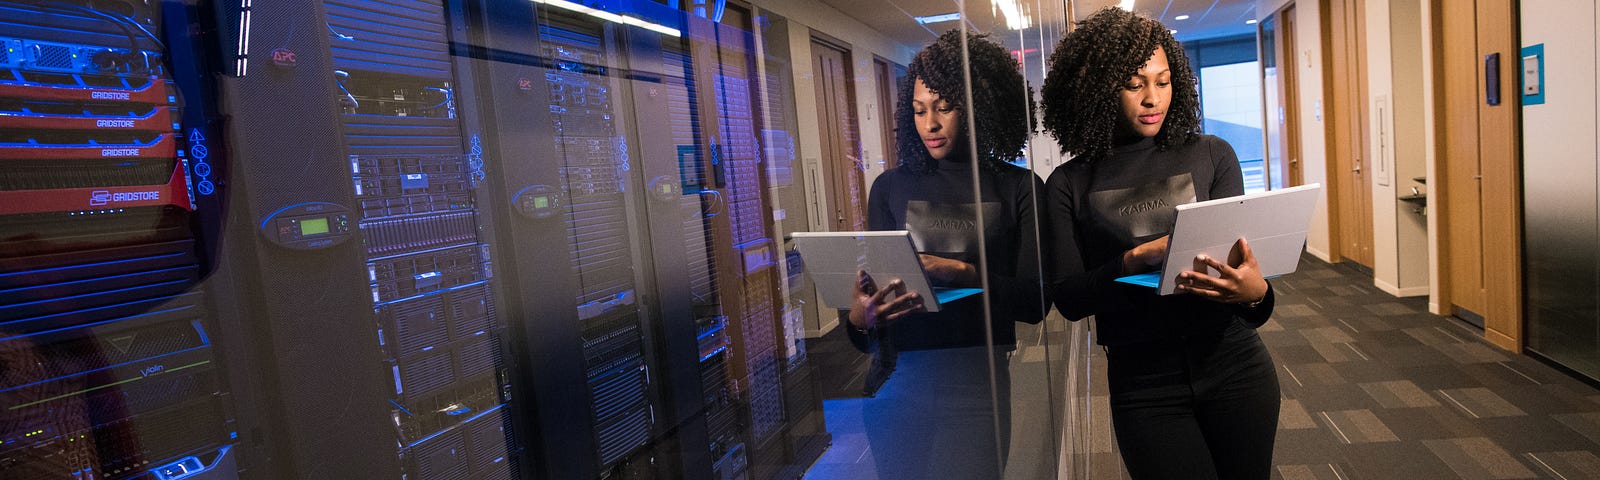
[1003, 103]
[1093, 63]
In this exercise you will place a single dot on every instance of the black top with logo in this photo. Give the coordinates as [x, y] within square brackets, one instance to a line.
[938, 209]
[1099, 209]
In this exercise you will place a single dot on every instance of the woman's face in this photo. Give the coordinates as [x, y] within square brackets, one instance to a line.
[938, 122]
[1146, 96]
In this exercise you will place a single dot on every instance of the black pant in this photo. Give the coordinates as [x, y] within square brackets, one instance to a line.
[1200, 408]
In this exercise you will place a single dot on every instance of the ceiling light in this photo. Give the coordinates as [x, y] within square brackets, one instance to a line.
[948, 17]
[1016, 19]
[1174, 32]
[612, 17]
[1181, 17]
[1250, 22]
[1126, 5]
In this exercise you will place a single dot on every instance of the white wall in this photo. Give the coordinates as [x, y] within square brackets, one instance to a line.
[1396, 149]
[1378, 151]
[1313, 142]
[1410, 142]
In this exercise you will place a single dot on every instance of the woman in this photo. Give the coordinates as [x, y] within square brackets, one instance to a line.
[1194, 393]
[933, 415]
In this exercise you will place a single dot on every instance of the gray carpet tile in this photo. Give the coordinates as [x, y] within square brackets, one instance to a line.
[1374, 387]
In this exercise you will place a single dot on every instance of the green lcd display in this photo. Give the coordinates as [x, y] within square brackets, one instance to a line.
[311, 227]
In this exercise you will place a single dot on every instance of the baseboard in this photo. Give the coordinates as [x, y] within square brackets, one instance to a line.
[827, 326]
[1386, 287]
[1502, 340]
[1321, 255]
[1400, 292]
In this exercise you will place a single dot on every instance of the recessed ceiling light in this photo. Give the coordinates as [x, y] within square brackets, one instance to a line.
[948, 17]
[1249, 22]
[1181, 17]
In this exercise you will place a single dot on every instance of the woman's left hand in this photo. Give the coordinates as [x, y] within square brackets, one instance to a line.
[945, 272]
[1238, 281]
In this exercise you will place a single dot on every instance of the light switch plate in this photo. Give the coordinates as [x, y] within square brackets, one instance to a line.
[1530, 75]
[1533, 87]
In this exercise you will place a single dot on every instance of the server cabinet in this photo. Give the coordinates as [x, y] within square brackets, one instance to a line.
[109, 364]
[360, 247]
[557, 111]
[645, 243]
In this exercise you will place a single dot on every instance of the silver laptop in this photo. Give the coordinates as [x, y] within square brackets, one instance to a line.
[1275, 223]
[833, 258]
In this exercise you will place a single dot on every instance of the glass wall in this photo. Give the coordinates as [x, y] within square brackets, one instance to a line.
[523, 239]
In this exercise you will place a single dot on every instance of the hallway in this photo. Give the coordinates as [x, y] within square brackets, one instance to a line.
[1375, 387]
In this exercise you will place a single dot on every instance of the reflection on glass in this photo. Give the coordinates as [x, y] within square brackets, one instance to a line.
[509, 239]
[932, 390]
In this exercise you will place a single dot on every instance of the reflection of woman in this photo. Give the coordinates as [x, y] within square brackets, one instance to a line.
[934, 415]
[1194, 393]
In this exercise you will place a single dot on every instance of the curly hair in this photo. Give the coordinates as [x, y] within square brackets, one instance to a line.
[1003, 101]
[1093, 63]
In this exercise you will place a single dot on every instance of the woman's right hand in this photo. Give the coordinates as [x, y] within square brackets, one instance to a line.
[875, 307]
[1145, 257]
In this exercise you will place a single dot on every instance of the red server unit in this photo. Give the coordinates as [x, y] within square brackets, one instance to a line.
[109, 364]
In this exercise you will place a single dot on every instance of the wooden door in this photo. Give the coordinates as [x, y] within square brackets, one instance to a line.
[1461, 192]
[1349, 183]
[836, 119]
[1479, 167]
[1289, 77]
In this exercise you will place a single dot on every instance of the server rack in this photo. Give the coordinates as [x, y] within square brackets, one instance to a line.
[555, 112]
[365, 265]
[108, 367]
[670, 147]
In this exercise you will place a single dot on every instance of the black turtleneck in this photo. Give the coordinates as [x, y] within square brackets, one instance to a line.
[937, 208]
[1102, 208]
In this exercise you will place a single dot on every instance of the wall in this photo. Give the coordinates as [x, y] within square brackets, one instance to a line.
[1313, 141]
[1409, 145]
[1398, 144]
[1379, 149]
[1430, 156]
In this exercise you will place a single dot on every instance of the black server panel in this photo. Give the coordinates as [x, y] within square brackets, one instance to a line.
[373, 244]
[593, 161]
[631, 156]
[414, 177]
[108, 364]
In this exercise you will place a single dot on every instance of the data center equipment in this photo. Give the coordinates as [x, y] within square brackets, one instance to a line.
[380, 308]
[428, 239]
[109, 363]
[634, 145]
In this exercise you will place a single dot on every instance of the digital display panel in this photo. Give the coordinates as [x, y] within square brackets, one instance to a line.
[311, 227]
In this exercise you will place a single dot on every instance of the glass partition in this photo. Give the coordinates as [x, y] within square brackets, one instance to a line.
[558, 239]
